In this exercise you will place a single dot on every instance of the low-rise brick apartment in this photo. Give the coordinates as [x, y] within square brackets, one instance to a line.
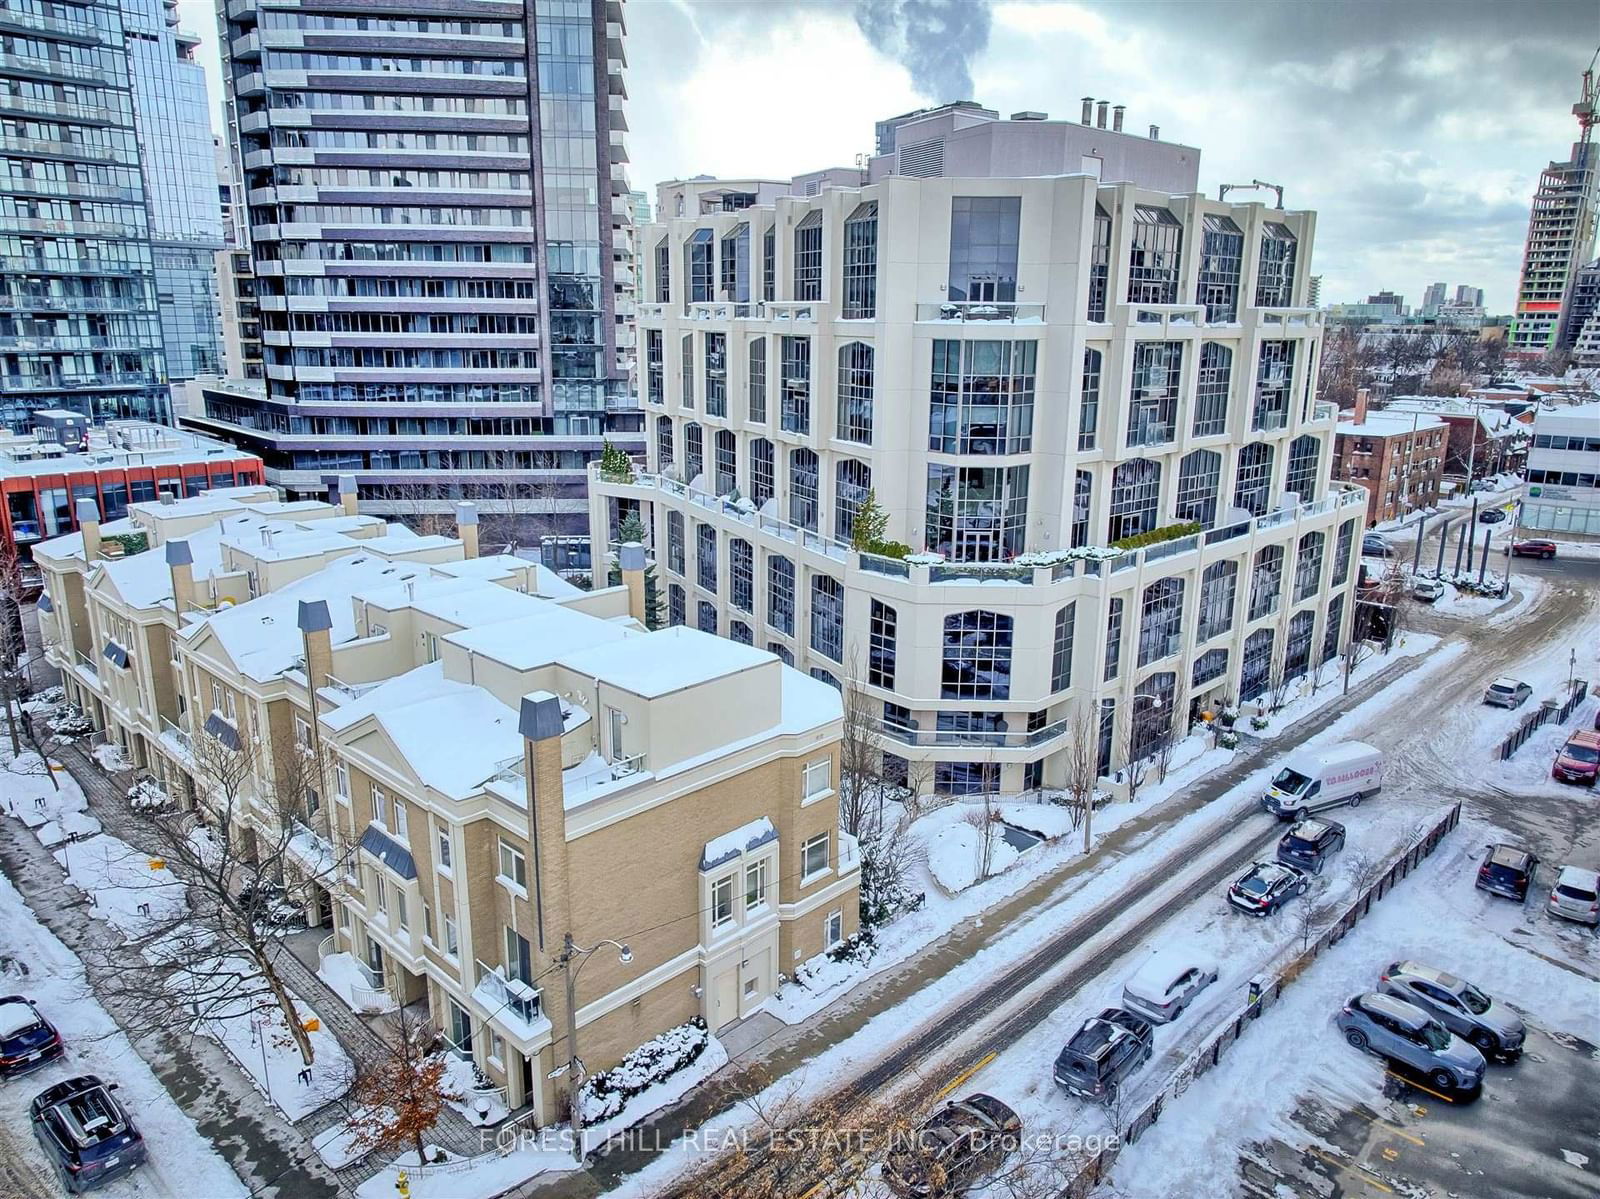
[1397, 456]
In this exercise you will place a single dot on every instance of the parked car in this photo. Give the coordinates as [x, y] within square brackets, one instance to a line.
[1491, 516]
[1313, 780]
[1376, 545]
[1267, 887]
[1404, 1033]
[1576, 895]
[1507, 693]
[1167, 983]
[85, 1133]
[1311, 843]
[1466, 1011]
[953, 1149]
[1578, 761]
[1427, 590]
[1104, 1051]
[1532, 547]
[27, 1039]
[1507, 870]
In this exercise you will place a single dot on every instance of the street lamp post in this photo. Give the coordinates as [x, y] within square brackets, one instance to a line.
[572, 953]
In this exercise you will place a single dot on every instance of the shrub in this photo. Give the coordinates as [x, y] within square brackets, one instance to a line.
[885, 549]
[1228, 739]
[606, 1093]
[1258, 723]
[1155, 536]
[68, 721]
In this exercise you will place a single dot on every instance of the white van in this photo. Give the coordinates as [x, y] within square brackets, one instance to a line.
[1313, 779]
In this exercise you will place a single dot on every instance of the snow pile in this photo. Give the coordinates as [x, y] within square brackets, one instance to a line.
[345, 978]
[128, 889]
[471, 1092]
[67, 721]
[476, 1178]
[108, 756]
[1044, 820]
[605, 1094]
[956, 855]
[71, 826]
[146, 796]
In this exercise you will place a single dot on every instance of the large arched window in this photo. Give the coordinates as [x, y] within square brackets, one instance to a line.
[1255, 672]
[803, 489]
[853, 479]
[1305, 454]
[855, 392]
[1297, 650]
[1161, 620]
[1153, 399]
[977, 656]
[1135, 497]
[827, 616]
[1217, 587]
[861, 263]
[1199, 481]
[694, 453]
[1252, 483]
[1153, 717]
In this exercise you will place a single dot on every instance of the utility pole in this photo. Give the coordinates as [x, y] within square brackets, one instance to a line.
[571, 960]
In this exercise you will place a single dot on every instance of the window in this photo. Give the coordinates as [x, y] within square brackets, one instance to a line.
[677, 605]
[817, 778]
[855, 392]
[687, 398]
[663, 272]
[1341, 554]
[1297, 650]
[446, 852]
[1305, 455]
[795, 385]
[302, 733]
[513, 866]
[984, 232]
[705, 556]
[833, 931]
[981, 399]
[1199, 482]
[827, 616]
[758, 380]
[452, 939]
[1152, 721]
[1308, 566]
[741, 574]
[725, 462]
[1082, 499]
[808, 257]
[716, 367]
[1330, 632]
[861, 263]
[1089, 405]
[1274, 382]
[400, 909]
[803, 489]
[1099, 264]
[706, 618]
[780, 595]
[1217, 587]
[1153, 404]
[1275, 275]
[341, 781]
[1161, 620]
[976, 514]
[755, 884]
[1212, 389]
[1252, 483]
[736, 264]
[1135, 497]
[675, 559]
[655, 367]
[1153, 263]
[700, 255]
[1212, 664]
[694, 453]
[380, 892]
[782, 651]
[401, 820]
[1113, 638]
[977, 656]
[813, 857]
[1221, 256]
[966, 778]
[380, 807]
[722, 902]
[1061, 654]
[881, 645]
[741, 632]
[763, 474]
[1266, 581]
[769, 264]
[664, 443]
[852, 481]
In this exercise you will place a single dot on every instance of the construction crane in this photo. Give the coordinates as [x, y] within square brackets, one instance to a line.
[1584, 108]
[1224, 189]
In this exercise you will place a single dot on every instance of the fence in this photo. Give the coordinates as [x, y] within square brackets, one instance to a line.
[1543, 715]
[1212, 1052]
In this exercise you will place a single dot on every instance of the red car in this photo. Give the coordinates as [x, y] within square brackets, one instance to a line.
[1533, 547]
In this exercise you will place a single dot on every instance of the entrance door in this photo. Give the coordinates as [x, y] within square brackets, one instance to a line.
[725, 998]
[754, 988]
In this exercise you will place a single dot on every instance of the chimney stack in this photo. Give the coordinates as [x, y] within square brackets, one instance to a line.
[1362, 396]
[347, 494]
[467, 528]
[540, 725]
[630, 557]
[1088, 110]
[180, 561]
[88, 513]
[1100, 113]
[1116, 117]
[316, 633]
[1155, 133]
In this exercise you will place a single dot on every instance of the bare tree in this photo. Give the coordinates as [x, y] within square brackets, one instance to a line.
[982, 819]
[1081, 761]
[1358, 649]
[398, 1097]
[919, 783]
[859, 750]
[1134, 748]
[1309, 914]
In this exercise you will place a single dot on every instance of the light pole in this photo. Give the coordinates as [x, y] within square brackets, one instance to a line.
[571, 952]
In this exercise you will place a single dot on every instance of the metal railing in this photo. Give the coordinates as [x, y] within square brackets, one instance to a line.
[991, 738]
[1550, 710]
[184, 741]
[979, 310]
[507, 993]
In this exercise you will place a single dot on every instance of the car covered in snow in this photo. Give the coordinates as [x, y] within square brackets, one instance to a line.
[1166, 983]
[27, 1039]
[1490, 1025]
[1576, 895]
[1427, 590]
[1267, 887]
[1310, 843]
[1507, 871]
[1507, 693]
[1404, 1033]
[85, 1133]
[1578, 761]
[1104, 1051]
[954, 1149]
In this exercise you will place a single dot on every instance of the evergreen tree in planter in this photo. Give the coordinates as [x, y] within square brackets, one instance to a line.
[632, 529]
[615, 466]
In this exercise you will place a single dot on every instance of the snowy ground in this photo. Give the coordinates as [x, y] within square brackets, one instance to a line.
[128, 889]
[344, 977]
[183, 1165]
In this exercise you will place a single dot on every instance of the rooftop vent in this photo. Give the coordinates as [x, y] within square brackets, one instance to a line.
[1030, 115]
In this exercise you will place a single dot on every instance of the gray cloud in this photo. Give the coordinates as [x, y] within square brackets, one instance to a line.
[935, 40]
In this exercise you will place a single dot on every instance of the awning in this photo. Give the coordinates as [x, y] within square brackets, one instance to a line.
[115, 654]
[45, 605]
[218, 727]
[388, 851]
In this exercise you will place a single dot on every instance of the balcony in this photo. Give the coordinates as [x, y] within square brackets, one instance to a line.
[964, 311]
[986, 738]
[177, 737]
[499, 995]
[28, 64]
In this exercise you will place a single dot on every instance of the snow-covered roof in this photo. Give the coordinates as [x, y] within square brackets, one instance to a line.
[667, 660]
[741, 840]
[547, 633]
[16, 1016]
[1391, 424]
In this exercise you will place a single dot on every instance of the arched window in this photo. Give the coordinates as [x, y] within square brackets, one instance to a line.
[1153, 399]
[677, 605]
[1209, 666]
[861, 263]
[741, 575]
[1305, 454]
[1061, 654]
[852, 481]
[780, 594]
[1266, 581]
[1256, 669]
[1297, 650]
[1161, 620]
[977, 656]
[803, 489]
[1135, 497]
[827, 616]
[1308, 566]
[705, 555]
[1252, 483]
[664, 443]
[1217, 587]
[707, 618]
[694, 453]
[1199, 481]
[1082, 497]
[701, 257]
[763, 472]
[855, 392]
[740, 632]
[726, 463]
[1153, 717]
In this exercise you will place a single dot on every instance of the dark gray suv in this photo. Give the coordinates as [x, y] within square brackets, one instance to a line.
[1310, 843]
[1459, 1006]
[1103, 1052]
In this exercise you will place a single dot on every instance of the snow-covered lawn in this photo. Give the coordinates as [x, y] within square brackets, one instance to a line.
[475, 1178]
[28, 793]
[129, 889]
[183, 1164]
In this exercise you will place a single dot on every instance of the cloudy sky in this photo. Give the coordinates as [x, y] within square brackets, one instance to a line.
[1416, 128]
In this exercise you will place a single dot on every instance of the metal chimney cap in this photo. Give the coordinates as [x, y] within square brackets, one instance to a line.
[630, 556]
[541, 716]
[314, 616]
[466, 513]
[87, 511]
[179, 553]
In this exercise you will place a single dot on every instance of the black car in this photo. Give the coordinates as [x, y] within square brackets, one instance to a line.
[1104, 1051]
[1309, 844]
[27, 1039]
[1375, 545]
[85, 1133]
[953, 1149]
[1507, 870]
[1267, 887]
[1491, 516]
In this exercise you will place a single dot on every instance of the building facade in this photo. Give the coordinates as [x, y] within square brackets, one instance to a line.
[1483, 439]
[1561, 238]
[1398, 457]
[1021, 372]
[1562, 491]
[438, 209]
[469, 761]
